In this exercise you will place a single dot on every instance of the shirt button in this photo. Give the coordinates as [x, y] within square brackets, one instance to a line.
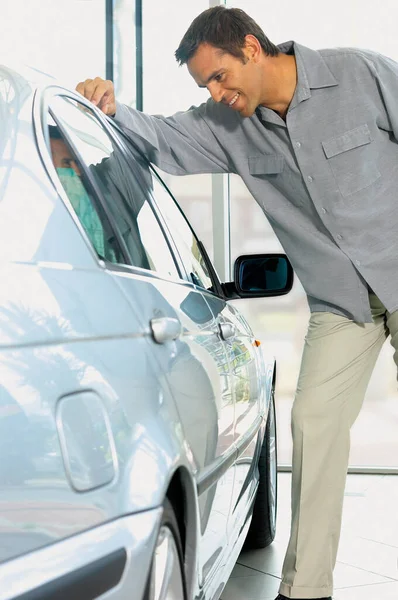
[297, 144]
[310, 179]
[324, 211]
[339, 237]
[358, 263]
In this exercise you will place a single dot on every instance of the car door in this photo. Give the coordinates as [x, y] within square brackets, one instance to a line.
[197, 273]
[248, 381]
[240, 347]
[186, 341]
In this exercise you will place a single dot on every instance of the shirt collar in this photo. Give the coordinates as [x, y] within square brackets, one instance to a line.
[312, 73]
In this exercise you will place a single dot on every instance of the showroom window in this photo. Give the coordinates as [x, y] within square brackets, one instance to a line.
[98, 162]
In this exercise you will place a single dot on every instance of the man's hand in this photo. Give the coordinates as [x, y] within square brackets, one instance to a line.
[100, 92]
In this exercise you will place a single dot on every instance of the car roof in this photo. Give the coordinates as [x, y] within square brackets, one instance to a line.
[32, 75]
[18, 82]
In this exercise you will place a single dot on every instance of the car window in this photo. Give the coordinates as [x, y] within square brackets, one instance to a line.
[105, 191]
[88, 210]
[186, 240]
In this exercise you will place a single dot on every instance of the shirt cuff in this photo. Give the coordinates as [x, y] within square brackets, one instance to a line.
[122, 113]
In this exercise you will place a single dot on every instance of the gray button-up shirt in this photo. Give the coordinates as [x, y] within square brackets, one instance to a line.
[327, 178]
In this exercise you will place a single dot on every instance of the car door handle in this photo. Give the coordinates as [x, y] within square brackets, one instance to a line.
[227, 330]
[165, 329]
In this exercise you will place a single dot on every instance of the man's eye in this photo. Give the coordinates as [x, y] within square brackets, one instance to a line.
[218, 77]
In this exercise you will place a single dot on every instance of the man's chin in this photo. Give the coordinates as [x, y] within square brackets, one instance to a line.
[245, 113]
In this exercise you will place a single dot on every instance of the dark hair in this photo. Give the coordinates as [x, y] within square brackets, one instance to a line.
[54, 132]
[223, 28]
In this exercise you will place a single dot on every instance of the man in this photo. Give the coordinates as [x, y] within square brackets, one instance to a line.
[314, 136]
[70, 176]
[61, 155]
[109, 176]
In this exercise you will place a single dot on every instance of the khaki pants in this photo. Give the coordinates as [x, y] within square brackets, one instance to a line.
[338, 360]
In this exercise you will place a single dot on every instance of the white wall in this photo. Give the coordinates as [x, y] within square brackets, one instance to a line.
[64, 38]
[319, 24]
[168, 87]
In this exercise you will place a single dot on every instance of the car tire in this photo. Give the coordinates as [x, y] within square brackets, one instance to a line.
[263, 525]
[166, 579]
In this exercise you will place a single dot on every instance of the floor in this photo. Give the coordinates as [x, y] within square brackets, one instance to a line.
[367, 561]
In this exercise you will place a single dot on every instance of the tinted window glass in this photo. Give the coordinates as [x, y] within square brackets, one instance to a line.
[186, 241]
[116, 184]
[89, 212]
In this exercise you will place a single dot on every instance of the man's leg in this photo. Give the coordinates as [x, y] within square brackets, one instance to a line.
[392, 324]
[338, 359]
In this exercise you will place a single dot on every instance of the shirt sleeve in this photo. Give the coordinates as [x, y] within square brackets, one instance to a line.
[182, 144]
[385, 71]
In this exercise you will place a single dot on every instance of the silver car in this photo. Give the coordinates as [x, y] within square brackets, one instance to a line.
[137, 418]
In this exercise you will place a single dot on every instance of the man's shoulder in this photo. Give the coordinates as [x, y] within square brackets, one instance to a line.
[344, 63]
[348, 55]
[351, 63]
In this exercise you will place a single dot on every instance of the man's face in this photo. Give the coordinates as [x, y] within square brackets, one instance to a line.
[61, 156]
[230, 80]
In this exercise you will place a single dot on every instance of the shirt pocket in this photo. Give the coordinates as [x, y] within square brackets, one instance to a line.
[266, 164]
[275, 170]
[351, 157]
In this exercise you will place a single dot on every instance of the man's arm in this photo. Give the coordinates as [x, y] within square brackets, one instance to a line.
[182, 144]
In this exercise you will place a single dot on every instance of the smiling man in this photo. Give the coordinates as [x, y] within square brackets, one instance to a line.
[259, 75]
[314, 135]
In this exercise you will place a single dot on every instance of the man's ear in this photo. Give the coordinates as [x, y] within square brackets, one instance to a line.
[252, 48]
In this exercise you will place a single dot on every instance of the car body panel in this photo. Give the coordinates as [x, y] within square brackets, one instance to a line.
[135, 534]
[63, 351]
[197, 375]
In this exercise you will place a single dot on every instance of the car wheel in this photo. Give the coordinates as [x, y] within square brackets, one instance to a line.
[166, 580]
[263, 525]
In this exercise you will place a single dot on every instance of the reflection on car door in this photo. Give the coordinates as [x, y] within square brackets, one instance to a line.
[193, 365]
[249, 409]
[196, 369]
[242, 354]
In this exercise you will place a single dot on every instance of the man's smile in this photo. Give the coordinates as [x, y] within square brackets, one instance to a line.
[234, 99]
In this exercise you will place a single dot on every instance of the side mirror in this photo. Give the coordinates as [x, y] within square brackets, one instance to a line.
[260, 275]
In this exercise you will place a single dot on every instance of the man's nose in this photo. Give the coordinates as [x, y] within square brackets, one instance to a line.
[216, 91]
